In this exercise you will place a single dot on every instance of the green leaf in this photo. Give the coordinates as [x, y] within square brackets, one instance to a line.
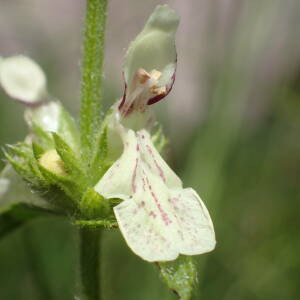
[18, 204]
[180, 276]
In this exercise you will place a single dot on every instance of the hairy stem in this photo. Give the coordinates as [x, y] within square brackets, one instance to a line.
[90, 263]
[92, 69]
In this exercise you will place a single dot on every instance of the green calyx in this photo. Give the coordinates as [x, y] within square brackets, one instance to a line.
[51, 163]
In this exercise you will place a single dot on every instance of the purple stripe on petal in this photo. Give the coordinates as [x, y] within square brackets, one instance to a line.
[124, 95]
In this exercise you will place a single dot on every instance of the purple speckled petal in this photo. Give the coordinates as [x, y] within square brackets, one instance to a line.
[158, 218]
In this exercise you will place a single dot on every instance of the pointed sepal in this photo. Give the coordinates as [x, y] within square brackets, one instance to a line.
[18, 204]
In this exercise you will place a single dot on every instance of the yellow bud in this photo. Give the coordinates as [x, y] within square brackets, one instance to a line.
[51, 161]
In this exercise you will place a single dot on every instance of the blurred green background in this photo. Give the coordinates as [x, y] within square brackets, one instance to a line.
[233, 119]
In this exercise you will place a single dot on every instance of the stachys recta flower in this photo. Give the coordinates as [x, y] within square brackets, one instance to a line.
[158, 218]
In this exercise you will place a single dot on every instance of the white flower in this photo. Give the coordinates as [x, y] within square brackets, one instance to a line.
[158, 218]
[22, 79]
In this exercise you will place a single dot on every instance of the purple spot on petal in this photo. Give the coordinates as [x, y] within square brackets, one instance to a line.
[173, 203]
[152, 214]
[141, 204]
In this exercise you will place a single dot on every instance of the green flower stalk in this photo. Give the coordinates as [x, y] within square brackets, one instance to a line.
[109, 172]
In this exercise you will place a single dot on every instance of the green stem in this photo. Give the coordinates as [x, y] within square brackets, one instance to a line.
[90, 263]
[92, 69]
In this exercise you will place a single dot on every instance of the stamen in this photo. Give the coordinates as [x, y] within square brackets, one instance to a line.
[142, 75]
[157, 90]
[155, 74]
[144, 86]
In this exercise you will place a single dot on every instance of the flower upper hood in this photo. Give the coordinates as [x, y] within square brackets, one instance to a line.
[150, 62]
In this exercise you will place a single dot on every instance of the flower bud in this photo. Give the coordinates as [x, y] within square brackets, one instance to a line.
[22, 79]
[51, 161]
